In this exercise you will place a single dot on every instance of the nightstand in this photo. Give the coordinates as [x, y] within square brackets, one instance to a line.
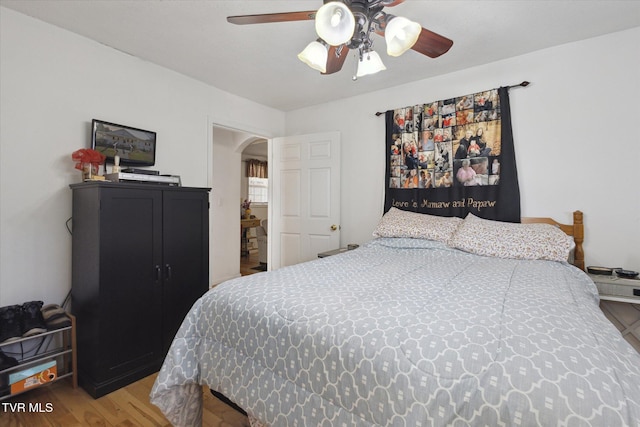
[333, 252]
[620, 302]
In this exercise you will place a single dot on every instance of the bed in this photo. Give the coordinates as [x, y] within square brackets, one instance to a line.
[436, 321]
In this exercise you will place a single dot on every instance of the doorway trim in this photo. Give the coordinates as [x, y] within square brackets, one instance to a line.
[225, 192]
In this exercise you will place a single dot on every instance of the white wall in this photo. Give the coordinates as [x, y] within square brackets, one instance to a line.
[574, 127]
[52, 84]
[575, 131]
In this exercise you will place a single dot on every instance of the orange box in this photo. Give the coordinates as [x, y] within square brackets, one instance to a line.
[33, 377]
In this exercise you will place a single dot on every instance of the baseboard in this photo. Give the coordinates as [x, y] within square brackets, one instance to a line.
[218, 281]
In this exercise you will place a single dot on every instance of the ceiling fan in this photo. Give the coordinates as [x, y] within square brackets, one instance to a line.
[342, 25]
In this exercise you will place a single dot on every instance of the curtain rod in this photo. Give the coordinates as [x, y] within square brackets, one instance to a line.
[523, 84]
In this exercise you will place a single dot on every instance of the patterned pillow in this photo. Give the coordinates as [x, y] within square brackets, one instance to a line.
[511, 240]
[399, 223]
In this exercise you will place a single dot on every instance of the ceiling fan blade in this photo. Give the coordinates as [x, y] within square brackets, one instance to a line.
[432, 44]
[272, 17]
[336, 58]
[392, 3]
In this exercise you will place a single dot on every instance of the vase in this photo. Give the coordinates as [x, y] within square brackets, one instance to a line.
[89, 170]
[247, 213]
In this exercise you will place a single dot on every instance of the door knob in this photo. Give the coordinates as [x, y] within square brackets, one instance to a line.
[334, 227]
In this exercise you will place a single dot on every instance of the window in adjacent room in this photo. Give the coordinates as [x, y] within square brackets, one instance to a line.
[258, 190]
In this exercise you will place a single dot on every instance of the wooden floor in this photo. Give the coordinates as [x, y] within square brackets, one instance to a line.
[247, 263]
[62, 405]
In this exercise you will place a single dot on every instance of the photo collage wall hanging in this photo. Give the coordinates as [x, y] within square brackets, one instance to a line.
[449, 143]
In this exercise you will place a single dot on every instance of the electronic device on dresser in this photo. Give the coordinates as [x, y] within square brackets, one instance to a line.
[144, 178]
[142, 171]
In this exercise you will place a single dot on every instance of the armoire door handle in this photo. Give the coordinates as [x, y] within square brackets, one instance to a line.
[167, 270]
[158, 273]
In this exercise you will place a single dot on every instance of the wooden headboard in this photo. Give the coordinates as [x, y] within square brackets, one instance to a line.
[576, 230]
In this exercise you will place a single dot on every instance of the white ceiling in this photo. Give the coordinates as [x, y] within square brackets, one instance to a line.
[259, 62]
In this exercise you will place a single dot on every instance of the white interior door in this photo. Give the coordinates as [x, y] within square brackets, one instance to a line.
[305, 202]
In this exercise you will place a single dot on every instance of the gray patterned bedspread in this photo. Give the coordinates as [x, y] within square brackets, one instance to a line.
[405, 332]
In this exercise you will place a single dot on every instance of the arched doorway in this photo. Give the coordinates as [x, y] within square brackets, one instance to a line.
[226, 198]
[254, 187]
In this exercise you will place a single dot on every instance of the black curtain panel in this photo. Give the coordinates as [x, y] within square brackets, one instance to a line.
[453, 157]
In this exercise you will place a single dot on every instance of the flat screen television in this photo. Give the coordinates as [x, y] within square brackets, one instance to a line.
[135, 147]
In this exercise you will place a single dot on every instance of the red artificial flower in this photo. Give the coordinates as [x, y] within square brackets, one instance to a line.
[87, 155]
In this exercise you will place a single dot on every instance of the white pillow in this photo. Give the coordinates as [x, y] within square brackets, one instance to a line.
[399, 223]
[511, 240]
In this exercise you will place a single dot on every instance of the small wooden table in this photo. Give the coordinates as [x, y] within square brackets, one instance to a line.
[246, 224]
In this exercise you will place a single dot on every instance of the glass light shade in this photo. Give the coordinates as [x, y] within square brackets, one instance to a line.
[335, 23]
[401, 34]
[315, 56]
[370, 64]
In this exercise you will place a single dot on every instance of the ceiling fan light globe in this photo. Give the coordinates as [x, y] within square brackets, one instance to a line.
[335, 23]
[315, 56]
[401, 34]
[370, 64]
